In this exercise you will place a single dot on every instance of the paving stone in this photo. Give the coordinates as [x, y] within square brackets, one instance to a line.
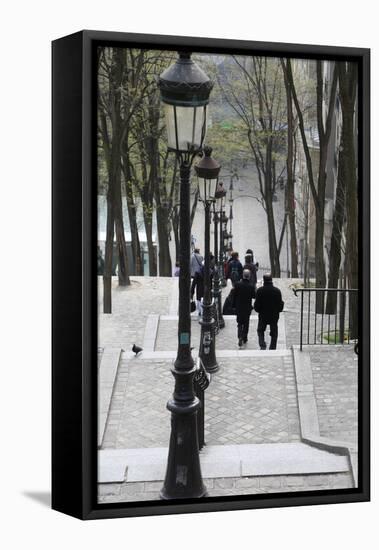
[270, 481]
[132, 488]
[316, 480]
[109, 489]
[335, 384]
[224, 483]
[247, 483]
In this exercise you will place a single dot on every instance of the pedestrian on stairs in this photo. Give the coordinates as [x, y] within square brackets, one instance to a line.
[252, 268]
[196, 261]
[268, 304]
[235, 269]
[244, 292]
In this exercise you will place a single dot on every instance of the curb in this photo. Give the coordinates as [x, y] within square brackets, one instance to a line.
[309, 425]
[107, 373]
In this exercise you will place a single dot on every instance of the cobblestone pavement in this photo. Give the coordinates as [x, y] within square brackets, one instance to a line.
[143, 491]
[335, 378]
[130, 308]
[248, 401]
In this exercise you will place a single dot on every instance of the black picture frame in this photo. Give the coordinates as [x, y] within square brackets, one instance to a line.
[74, 387]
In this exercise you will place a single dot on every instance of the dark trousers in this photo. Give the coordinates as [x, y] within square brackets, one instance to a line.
[262, 324]
[243, 326]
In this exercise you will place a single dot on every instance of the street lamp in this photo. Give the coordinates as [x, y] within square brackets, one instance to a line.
[220, 193]
[231, 188]
[185, 91]
[207, 171]
[222, 234]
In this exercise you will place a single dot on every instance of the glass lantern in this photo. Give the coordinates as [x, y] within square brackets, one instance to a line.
[185, 90]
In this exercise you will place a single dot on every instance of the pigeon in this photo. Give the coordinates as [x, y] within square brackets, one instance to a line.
[136, 349]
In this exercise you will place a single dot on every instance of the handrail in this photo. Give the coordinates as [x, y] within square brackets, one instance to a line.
[341, 303]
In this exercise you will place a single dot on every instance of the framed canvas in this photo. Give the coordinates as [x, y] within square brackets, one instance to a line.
[188, 374]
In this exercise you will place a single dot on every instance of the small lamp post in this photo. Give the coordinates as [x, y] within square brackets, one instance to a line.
[220, 193]
[231, 188]
[207, 171]
[222, 235]
[185, 91]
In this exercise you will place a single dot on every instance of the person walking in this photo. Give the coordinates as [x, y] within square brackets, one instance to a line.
[196, 261]
[198, 286]
[268, 304]
[243, 294]
[249, 251]
[228, 307]
[235, 269]
[252, 268]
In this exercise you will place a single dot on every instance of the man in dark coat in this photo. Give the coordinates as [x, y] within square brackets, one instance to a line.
[268, 304]
[243, 294]
[228, 307]
[234, 268]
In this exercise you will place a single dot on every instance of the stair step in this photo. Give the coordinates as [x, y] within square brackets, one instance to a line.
[149, 464]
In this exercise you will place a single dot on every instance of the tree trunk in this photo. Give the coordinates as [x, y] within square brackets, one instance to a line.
[165, 267]
[336, 239]
[273, 247]
[164, 259]
[123, 267]
[150, 245]
[319, 256]
[306, 243]
[318, 193]
[108, 259]
[290, 195]
[132, 213]
[118, 63]
[348, 84]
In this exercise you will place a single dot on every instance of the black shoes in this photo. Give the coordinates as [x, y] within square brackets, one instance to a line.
[240, 342]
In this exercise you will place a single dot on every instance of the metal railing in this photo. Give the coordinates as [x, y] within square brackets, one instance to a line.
[328, 316]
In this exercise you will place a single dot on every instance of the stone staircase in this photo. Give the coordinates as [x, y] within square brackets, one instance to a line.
[246, 380]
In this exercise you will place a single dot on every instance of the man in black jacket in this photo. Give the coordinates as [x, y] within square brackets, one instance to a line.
[244, 292]
[268, 304]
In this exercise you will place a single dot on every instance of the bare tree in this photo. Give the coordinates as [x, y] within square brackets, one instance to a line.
[291, 159]
[257, 100]
[317, 187]
[111, 128]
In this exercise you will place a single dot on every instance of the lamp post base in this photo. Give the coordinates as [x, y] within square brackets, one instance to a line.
[183, 474]
[207, 350]
[216, 293]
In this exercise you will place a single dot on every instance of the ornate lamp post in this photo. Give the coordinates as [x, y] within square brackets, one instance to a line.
[222, 235]
[220, 193]
[185, 91]
[231, 212]
[207, 171]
